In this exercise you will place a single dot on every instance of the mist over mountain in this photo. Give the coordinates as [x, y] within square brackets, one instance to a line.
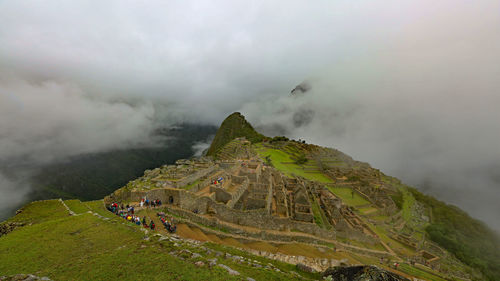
[92, 176]
[409, 87]
[444, 148]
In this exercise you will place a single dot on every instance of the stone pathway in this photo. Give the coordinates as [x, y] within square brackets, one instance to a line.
[71, 213]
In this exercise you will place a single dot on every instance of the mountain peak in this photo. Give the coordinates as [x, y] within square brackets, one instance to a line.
[234, 126]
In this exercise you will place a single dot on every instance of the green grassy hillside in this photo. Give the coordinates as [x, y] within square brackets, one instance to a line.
[468, 239]
[89, 247]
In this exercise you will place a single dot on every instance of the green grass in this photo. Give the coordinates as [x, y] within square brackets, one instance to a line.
[408, 269]
[319, 216]
[398, 199]
[393, 244]
[191, 185]
[346, 195]
[408, 203]
[97, 206]
[40, 211]
[76, 206]
[368, 210]
[86, 247]
[418, 235]
[278, 157]
[380, 218]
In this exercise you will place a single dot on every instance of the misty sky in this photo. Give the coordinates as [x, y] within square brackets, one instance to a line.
[412, 87]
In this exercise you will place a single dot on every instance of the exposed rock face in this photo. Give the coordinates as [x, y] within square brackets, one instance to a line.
[305, 268]
[7, 227]
[301, 88]
[361, 273]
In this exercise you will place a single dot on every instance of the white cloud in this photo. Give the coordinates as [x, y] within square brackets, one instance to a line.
[410, 86]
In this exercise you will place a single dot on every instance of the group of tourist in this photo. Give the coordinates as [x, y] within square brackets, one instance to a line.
[153, 203]
[167, 223]
[217, 181]
[115, 208]
[127, 213]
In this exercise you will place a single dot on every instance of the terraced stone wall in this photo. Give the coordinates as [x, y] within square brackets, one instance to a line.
[240, 190]
[195, 176]
[259, 218]
[166, 195]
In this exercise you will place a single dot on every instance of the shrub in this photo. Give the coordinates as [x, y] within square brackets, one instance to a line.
[398, 199]
[279, 138]
[301, 159]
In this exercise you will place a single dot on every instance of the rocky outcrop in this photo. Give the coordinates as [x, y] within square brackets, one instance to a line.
[305, 268]
[361, 273]
[301, 88]
[6, 228]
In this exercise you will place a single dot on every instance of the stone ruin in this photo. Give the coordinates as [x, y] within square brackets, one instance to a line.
[372, 188]
[247, 192]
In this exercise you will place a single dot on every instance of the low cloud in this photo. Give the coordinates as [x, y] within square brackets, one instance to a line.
[435, 129]
[410, 87]
[47, 121]
[200, 147]
[13, 192]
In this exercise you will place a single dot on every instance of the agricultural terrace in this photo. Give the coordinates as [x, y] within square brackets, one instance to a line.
[285, 162]
[348, 196]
